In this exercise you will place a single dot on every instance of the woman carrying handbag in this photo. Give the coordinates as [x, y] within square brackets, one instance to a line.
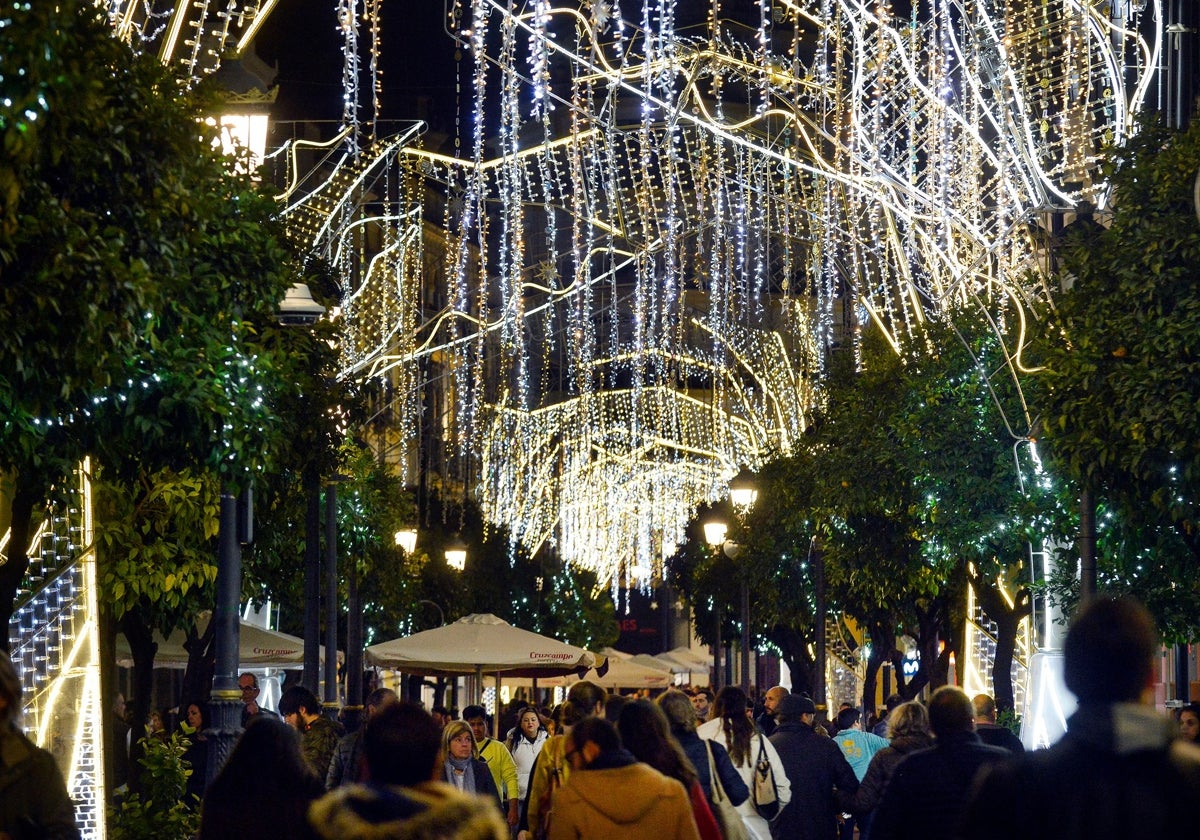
[732, 727]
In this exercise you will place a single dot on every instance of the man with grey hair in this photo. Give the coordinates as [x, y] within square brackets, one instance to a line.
[33, 798]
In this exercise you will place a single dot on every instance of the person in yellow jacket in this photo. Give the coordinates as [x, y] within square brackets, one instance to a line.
[499, 761]
[551, 769]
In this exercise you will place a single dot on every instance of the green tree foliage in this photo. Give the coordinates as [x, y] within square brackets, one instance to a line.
[161, 810]
[906, 485]
[138, 272]
[1122, 373]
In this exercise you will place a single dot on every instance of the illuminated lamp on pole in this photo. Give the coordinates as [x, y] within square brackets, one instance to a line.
[406, 538]
[246, 83]
[235, 528]
[714, 534]
[456, 553]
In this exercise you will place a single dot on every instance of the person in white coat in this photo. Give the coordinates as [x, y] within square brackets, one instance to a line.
[733, 727]
[525, 742]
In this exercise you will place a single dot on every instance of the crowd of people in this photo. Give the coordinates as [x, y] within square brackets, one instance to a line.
[689, 766]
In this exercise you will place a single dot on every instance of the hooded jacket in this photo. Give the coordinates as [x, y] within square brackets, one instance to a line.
[425, 812]
[1119, 772]
[615, 796]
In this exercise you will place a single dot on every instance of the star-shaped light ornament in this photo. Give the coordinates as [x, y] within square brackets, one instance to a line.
[601, 15]
[548, 271]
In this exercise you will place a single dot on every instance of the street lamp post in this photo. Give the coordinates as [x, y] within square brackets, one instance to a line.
[225, 700]
[225, 707]
[743, 493]
[714, 534]
[331, 600]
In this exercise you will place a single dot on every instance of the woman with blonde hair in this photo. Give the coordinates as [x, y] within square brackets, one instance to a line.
[462, 766]
[732, 726]
[908, 729]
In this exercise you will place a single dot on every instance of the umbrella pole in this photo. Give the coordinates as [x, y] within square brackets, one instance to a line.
[479, 684]
[496, 715]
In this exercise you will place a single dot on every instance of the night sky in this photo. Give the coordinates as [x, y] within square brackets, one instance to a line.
[417, 56]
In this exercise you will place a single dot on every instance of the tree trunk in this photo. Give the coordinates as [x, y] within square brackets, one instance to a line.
[934, 659]
[1008, 622]
[12, 572]
[202, 660]
[883, 639]
[793, 649]
[143, 648]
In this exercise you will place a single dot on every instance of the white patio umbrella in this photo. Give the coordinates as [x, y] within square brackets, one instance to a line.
[621, 673]
[621, 670]
[257, 647]
[477, 644]
[684, 660]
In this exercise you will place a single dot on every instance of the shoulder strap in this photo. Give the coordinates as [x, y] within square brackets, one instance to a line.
[718, 790]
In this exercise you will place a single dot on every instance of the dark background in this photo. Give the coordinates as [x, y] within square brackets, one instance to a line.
[417, 58]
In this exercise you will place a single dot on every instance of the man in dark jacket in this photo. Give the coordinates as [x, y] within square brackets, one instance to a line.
[318, 734]
[1118, 772]
[822, 782]
[991, 732]
[347, 764]
[928, 791]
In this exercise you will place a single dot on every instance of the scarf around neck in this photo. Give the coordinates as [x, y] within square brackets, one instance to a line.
[460, 772]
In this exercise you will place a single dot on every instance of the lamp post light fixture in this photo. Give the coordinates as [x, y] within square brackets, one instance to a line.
[456, 553]
[298, 307]
[406, 538]
[743, 490]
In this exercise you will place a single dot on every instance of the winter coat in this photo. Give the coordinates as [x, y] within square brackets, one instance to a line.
[822, 783]
[618, 797]
[759, 828]
[1119, 772]
[347, 764]
[524, 752]
[883, 765]
[500, 763]
[550, 771]
[485, 785]
[929, 788]
[731, 781]
[999, 736]
[318, 741]
[430, 811]
[33, 796]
